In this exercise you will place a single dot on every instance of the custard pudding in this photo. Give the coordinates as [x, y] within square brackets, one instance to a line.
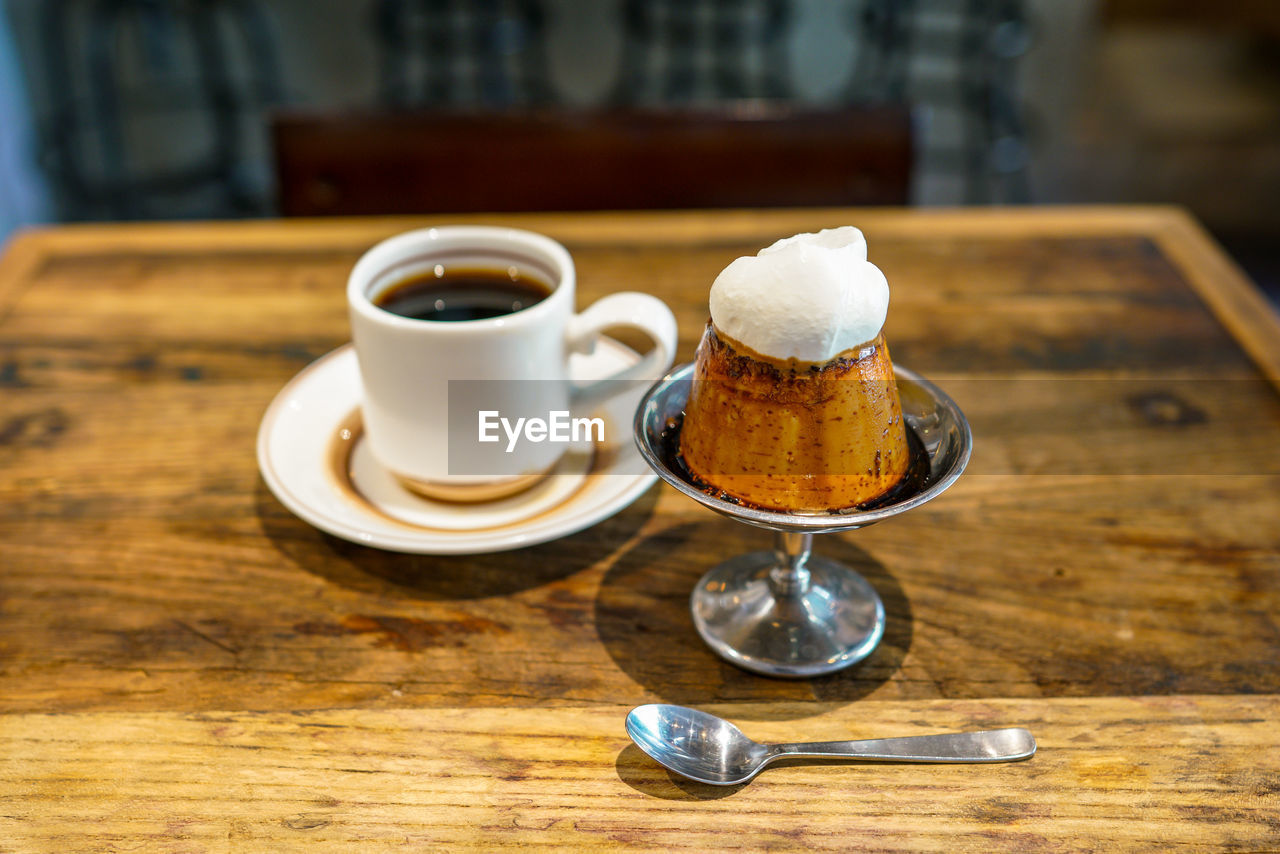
[794, 405]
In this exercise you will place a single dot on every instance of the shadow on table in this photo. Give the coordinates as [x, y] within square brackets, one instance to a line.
[648, 777]
[642, 618]
[444, 577]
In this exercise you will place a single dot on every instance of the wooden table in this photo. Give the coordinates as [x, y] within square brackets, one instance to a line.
[186, 666]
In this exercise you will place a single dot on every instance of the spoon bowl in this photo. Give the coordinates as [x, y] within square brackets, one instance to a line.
[695, 744]
[709, 749]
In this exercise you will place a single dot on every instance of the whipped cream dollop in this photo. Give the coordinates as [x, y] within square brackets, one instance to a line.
[809, 297]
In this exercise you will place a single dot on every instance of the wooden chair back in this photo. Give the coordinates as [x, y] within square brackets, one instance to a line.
[437, 162]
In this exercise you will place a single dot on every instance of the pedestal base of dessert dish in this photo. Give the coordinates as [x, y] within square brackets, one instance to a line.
[789, 613]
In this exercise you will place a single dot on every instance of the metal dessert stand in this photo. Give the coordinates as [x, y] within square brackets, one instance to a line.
[788, 612]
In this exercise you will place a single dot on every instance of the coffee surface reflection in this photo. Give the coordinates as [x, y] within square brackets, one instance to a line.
[445, 294]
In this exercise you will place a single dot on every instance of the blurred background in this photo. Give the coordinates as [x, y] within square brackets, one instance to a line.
[172, 109]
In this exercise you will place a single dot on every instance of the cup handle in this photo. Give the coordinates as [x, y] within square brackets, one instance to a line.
[640, 311]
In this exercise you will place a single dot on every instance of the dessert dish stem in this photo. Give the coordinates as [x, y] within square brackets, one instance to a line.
[791, 577]
[788, 612]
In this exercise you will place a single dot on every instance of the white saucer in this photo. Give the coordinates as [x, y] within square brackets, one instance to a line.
[312, 457]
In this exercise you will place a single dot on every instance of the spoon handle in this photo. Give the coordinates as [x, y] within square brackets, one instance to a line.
[996, 745]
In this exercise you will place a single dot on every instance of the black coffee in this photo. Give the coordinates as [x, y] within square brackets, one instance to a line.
[452, 294]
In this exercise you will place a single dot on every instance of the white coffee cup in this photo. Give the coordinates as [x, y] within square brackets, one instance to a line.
[407, 364]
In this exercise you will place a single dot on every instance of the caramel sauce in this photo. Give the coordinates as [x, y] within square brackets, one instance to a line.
[916, 479]
[753, 360]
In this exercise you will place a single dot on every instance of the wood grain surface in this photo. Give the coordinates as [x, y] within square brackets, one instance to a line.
[1160, 774]
[184, 665]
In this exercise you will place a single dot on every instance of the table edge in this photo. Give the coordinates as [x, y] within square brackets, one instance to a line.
[1230, 295]
[1233, 299]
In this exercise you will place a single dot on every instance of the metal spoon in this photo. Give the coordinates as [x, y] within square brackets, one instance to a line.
[709, 749]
